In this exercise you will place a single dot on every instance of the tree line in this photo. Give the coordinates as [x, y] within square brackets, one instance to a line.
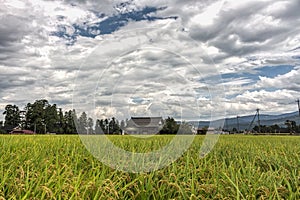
[42, 117]
[290, 127]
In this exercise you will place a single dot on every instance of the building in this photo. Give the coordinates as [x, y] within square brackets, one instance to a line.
[18, 130]
[204, 130]
[144, 125]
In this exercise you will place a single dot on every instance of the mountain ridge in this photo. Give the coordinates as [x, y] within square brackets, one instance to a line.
[244, 121]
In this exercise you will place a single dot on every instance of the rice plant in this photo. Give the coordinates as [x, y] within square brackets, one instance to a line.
[239, 167]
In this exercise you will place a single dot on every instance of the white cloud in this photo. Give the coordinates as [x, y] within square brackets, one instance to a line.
[242, 36]
[289, 80]
[269, 102]
[207, 17]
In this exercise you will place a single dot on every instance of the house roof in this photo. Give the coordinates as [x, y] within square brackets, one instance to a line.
[16, 131]
[147, 121]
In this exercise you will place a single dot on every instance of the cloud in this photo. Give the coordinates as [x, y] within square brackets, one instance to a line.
[247, 28]
[168, 51]
[289, 81]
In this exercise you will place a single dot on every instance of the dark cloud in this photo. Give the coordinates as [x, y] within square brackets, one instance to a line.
[14, 82]
[226, 23]
[290, 11]
[239, 31]
[60, 102]
[12, 29]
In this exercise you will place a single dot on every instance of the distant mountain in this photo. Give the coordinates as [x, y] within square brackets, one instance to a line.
[244, 121]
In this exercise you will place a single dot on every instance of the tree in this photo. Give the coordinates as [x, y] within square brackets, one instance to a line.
[202, 131]
[291, 125]
[122, 126]
[72, 118]
[98, 127]
[275, 128]
[234, 130]
[103, 126]
[170, 127]
[42, 117]
[82, 124]
[106, 126]
[114, 127]
[51, 119]
[2, 131]
[12, 116]
[90, 124]
[35, 117]
[61, 122]
[68, 123]
[185, 129]
[262, 129]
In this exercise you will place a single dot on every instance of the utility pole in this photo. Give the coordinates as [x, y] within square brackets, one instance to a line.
[238, 124]
[298, 101]
[258, 120]
[226, 124]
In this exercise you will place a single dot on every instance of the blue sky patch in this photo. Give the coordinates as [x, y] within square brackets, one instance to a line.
[273, 71]
[266, 71]
[110, 24]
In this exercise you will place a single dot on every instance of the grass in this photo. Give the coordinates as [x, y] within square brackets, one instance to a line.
[239, 167]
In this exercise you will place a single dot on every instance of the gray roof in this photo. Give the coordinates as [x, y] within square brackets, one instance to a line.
[145, 121]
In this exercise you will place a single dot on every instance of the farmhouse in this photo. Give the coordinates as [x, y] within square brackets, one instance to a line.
[204, 130]
[144, 125]
[18, 130]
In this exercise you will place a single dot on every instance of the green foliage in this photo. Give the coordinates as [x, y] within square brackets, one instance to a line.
[185, 129]
[114, 127]
[68, 126]
[107, 126]
[90, 124]
[36, 116]
[203, 131]
[12, 116]
[239, 167]
[234, 130]
[2, 131]
[292, 126]
[170, 126]
[41, 117]
[82, 124]
[98, 127]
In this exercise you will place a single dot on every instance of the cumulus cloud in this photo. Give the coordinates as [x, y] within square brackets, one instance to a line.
[170, 55]
[289, 81]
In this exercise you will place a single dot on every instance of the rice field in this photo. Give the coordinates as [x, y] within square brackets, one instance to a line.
[239, 167]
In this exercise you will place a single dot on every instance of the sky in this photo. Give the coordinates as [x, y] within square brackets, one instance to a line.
[189, 59]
